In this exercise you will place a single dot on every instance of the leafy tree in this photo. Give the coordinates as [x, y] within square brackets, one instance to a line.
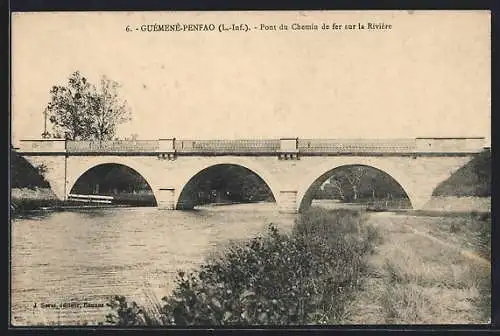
[334, 188]
[82, 111]
[108, 110]
[354, 177]
[356, 183]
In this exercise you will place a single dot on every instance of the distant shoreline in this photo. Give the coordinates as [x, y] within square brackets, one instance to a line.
[25, 200]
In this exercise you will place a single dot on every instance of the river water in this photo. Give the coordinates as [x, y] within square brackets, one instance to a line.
[65, 265]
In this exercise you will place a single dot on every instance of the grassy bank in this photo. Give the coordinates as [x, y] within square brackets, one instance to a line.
[25, 200]
[305, 277]
[428, 270]
[23, 203]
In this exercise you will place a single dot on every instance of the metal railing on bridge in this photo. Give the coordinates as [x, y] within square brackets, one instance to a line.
[357, 145]
[227, 146]
[112, 146]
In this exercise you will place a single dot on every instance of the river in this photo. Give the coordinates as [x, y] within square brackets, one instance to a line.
[65, 265]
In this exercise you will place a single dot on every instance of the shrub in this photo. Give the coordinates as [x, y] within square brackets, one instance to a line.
[306, 277]
[480, 225]
[406, 304]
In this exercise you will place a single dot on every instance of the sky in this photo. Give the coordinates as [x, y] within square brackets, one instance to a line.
[429, 75]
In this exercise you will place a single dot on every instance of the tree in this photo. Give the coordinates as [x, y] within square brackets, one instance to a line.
[354, 177]
[82, 111]
[356, 183]
[109, 110]
[346, 182]
[334, 188]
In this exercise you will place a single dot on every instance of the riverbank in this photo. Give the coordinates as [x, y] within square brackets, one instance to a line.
[26, 200]
[449, 204]
[30, 199]
[34, 193]
[24, 206]
[427, 270]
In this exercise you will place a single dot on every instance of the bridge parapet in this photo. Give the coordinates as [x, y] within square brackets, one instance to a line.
[440, 145]
[227, 146]
[283, 148]
[43, 145]
[112, 146]
[356, 145]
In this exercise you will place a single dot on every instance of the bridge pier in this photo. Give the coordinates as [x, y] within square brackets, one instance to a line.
[165, 199]
[288, 202]
[419, 201]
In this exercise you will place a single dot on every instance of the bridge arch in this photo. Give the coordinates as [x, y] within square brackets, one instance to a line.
[252, 166]
[78, 170]
[318, 175]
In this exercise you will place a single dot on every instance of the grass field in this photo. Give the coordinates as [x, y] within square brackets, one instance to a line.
[427, 270]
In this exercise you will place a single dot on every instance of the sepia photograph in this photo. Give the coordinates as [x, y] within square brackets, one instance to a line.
[250, 168]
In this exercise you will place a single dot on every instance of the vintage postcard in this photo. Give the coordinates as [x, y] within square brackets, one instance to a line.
[250, 168]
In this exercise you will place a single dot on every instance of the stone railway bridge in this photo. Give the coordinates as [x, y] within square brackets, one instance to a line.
[292, 168]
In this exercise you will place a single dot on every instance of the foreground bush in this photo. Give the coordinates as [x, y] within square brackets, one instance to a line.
[306, 277]
[480, 223]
